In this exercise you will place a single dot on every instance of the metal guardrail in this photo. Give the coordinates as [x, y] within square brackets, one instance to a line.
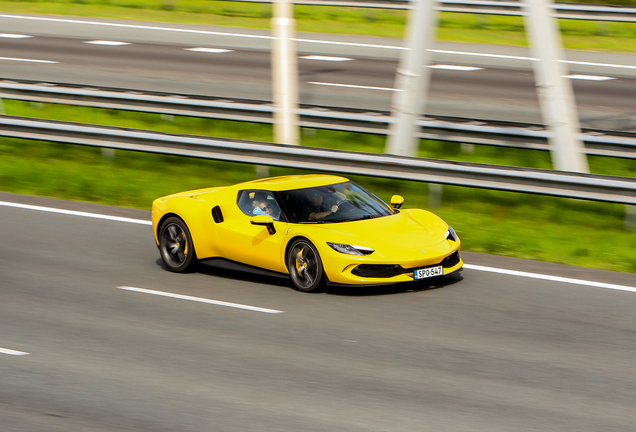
[561, 10]
[544, 182]
[469, 131]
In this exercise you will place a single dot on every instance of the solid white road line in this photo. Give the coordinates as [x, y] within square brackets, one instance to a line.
[27, 60]
[12, 352]
[143, 27]
[589, 77]
[352, 86]
[480, 54]
[75, 213]
[14, 36]
[180, 30]
[209, 50]
[599, 64]
[455, 67]
[550, 278]
[326, 58]
[200, 300]
[107, 43]
[466, 266]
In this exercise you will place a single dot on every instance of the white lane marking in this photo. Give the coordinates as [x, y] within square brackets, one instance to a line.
[27, 60]
[209, 50]
[178, 30]
[14, 36]
[481, 54]
[326, 58]
[107, 43]
[350, 44]
[589, 77]
[13, 352]
[609, 65]
[467, 266]
[75, 213]
[550, 278]
[455, 67]
[201, 300]
[133, 26]
[598, 64]
[352, 86]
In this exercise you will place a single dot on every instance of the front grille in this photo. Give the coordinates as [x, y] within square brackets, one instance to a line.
[377, 270]
[389, 271]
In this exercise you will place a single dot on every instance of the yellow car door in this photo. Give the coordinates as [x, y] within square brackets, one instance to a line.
[256, 245]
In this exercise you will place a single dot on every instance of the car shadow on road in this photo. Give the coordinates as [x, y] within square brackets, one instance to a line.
[259, 276]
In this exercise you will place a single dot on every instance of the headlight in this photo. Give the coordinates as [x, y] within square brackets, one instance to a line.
[350, 249]
[451, 234]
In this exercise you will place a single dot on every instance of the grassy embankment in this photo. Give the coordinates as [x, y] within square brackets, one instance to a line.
[562, 231]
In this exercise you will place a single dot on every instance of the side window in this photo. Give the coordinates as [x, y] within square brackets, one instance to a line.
[258, 202]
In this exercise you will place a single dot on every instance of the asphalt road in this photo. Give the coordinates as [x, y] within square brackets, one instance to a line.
[480, 352]
[156, 59]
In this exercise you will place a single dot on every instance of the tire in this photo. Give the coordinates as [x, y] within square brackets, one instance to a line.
[305, 266]
[175, 245]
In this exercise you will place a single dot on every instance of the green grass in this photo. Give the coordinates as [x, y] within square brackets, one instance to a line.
[563, 231]
[499, 30]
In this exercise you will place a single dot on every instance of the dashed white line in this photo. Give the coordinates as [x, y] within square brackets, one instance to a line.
[589, 77]
[201, 300]
[550, 278]
[107, 43]
[13, 352]
[352, 86]
[27, 60]
[326, 58]
[14, 36]
[209, 50]
[455, 67]
[75, 213]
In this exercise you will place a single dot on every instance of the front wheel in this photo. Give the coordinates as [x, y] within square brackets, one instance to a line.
[305, 266]
[175, 245]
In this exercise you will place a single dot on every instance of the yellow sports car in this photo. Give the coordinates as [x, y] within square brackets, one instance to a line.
[316, 228]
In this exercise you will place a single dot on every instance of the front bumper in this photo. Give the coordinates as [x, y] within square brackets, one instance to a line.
[370, 273]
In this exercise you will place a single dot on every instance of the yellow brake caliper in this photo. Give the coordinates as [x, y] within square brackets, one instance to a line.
[300, 266]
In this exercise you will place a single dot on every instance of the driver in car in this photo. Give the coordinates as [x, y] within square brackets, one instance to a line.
[317, 209]
[264, 207]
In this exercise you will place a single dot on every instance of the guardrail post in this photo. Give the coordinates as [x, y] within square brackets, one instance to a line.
[554, 91]
[284, 74]
[412, 80]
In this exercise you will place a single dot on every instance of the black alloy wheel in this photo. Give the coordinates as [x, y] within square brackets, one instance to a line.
[305, 266]
[175, 245]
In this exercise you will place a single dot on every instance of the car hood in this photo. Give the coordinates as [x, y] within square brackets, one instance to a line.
[406, 231]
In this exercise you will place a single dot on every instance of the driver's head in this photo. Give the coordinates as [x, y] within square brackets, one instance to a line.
[315, 197]
[266, 207]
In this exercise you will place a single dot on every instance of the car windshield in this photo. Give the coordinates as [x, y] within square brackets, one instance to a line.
[340, 202]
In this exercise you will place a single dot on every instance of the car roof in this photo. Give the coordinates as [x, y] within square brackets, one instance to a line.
[292, 182]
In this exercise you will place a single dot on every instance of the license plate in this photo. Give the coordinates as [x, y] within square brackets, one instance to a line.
[429, 272]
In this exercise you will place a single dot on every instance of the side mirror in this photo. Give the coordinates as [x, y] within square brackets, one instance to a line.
[397, 201]
[264, 220]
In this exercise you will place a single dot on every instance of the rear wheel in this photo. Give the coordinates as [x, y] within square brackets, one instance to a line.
[175, 245]
[305, 266]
